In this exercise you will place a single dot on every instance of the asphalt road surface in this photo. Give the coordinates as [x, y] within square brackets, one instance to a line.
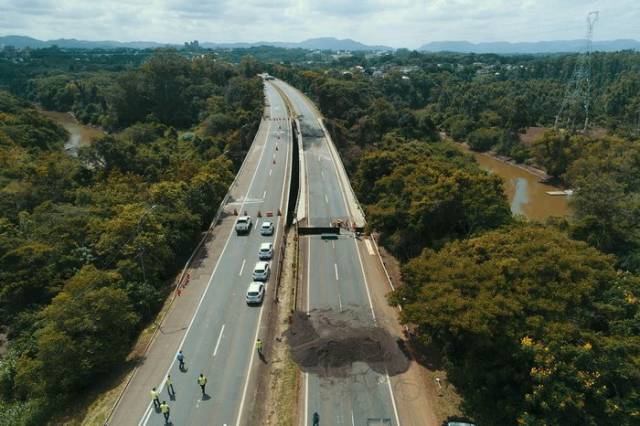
[220, 341]
[336, 281]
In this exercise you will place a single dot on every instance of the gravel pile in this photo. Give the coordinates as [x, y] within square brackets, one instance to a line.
[327, 343]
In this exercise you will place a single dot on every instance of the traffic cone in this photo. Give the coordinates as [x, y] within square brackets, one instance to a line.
[259, 214]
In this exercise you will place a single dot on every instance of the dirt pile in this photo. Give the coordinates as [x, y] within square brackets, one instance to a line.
[327, 343]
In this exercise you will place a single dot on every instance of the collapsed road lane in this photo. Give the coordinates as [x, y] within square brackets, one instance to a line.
[336, 281]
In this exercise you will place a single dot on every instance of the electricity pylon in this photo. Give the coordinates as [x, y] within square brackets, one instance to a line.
[575, 104]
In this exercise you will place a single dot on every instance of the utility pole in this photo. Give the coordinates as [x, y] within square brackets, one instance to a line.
[576, 102]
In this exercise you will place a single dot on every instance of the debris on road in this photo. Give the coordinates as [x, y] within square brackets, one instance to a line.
[327, 343]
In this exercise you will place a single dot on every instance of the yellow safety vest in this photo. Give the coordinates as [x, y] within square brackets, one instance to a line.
[259, 344]
[202, 380]
[164, 408]
[154, 394]
[169, 381]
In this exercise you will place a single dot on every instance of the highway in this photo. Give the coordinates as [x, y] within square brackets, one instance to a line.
[220, 340]
[336, 280]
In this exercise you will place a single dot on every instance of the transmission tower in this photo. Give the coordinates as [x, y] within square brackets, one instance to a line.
[575, 104]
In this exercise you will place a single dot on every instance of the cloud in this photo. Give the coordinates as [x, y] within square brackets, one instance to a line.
[400, 23]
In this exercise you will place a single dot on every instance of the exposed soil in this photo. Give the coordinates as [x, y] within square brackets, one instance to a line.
[327, 343]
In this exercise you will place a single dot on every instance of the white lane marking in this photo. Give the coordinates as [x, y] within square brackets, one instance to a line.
[393, 399]
[270, 171]
[366, 285]
[264, 194]
[333, 244]
[306, 399]
[322, 173]
[369, 247]
[215, 350]
[339, 303]
[306, 375]
[353, 422]
[246, 382]
[147, 414]
[326, 199]
[335, 267]
[242, 267]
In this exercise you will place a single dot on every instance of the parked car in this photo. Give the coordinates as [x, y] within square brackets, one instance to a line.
[243, 225]
[266, 251]
[261, 271]
[266, 228]
[255, 293]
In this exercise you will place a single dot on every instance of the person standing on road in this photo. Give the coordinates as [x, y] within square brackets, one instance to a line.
[202, 381]
[154, 398]
[259, 347]
[316, 419]
[170, 386]
[180, 358]
[165, 410]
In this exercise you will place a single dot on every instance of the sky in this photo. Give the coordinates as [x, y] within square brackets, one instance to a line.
[396, 23]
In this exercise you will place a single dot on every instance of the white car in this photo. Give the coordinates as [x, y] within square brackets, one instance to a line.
[243, 225]
[266, 251]
[261, 271]
[266, 228]
[255, 293]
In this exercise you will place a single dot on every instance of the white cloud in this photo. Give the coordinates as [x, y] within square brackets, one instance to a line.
[407, 23]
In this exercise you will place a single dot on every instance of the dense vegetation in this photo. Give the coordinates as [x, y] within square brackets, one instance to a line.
[88, 244]
[534, 326]
[537, 324]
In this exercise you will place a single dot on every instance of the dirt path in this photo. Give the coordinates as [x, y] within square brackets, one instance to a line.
[280, 402]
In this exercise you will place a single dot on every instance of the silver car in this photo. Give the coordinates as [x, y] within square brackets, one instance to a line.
[255, 293]
[261, 271]
[266, 228]
[266, 251]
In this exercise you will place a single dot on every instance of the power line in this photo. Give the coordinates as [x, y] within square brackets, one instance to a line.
[576, 102]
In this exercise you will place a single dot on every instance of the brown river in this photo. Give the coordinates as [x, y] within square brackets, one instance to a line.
[79, 134]
[526, 194]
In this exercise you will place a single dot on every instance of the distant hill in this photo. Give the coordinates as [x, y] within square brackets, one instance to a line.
[324, 43]
[529, 47]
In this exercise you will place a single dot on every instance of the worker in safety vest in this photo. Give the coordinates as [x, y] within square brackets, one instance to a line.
[170, 386]
[202, 381]
[154, 397]
[165, 410]
[259, 346]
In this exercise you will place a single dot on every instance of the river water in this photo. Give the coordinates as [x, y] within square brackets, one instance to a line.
[525, 192]
[79, 134]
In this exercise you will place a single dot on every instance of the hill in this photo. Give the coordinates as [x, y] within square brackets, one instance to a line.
[505, 47]
[323, 43]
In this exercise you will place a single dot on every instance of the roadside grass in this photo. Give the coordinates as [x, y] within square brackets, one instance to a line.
[93, 408]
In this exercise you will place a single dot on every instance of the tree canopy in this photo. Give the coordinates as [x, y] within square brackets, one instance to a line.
[537, 328]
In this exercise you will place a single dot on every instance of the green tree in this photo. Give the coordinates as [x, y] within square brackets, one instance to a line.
[536, 328]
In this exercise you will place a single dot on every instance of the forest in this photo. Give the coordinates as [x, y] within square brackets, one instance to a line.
[537, 323]
[89, 244]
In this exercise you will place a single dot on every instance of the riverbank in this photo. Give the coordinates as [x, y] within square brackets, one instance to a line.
[526, 186]
[79, 134]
